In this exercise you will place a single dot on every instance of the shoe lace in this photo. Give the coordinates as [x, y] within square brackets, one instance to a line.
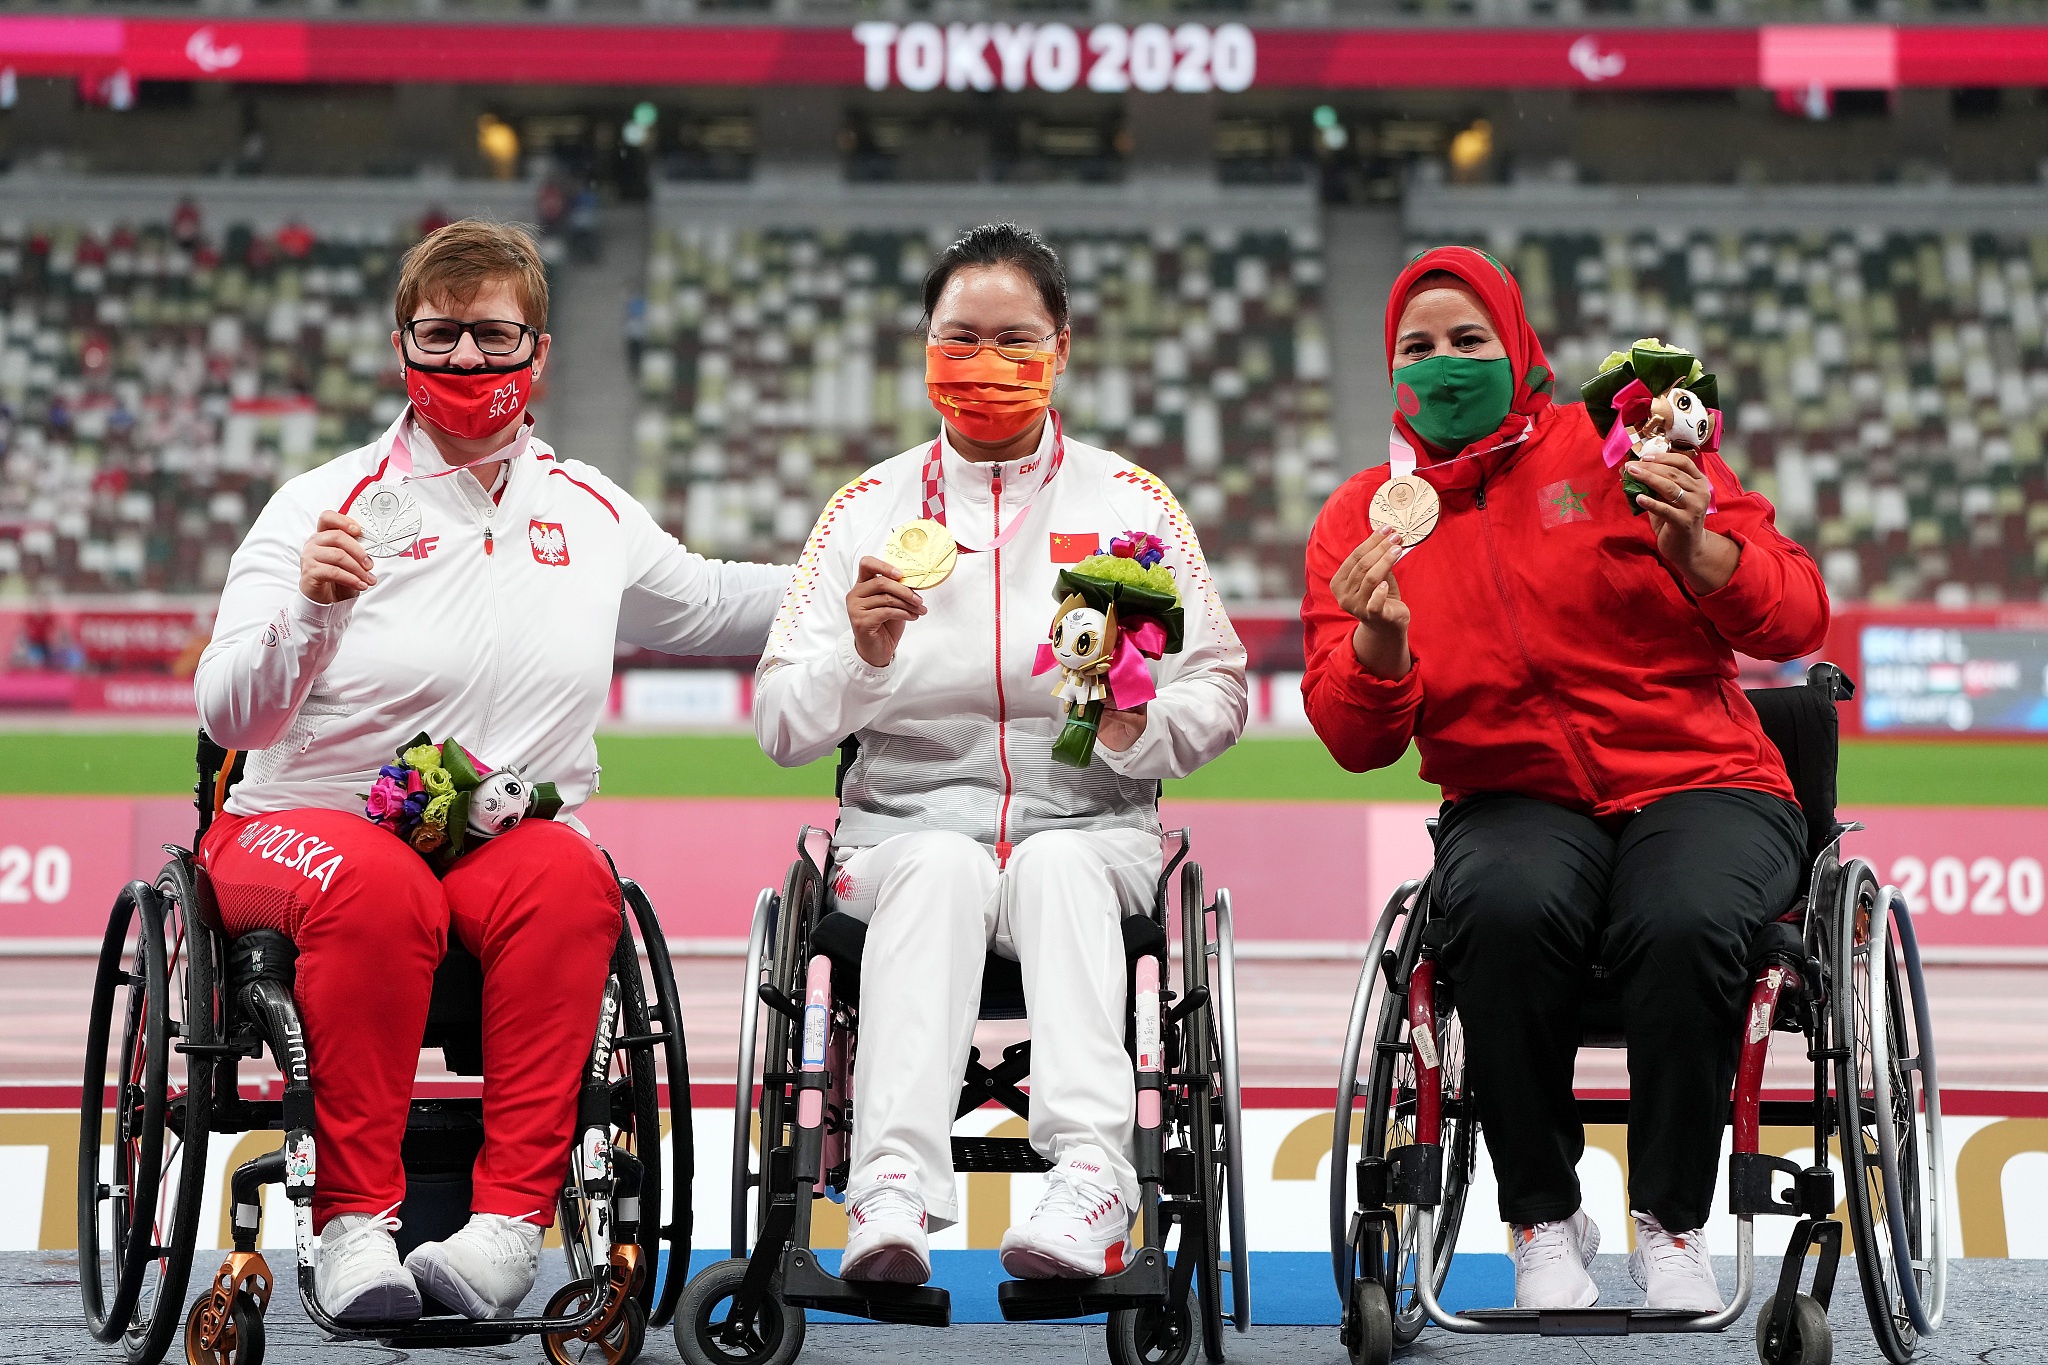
[354, 1241]
[1668, 1250]
[889, 1199]
[503, 1235]
[1538, 1245]
[1066, 1196]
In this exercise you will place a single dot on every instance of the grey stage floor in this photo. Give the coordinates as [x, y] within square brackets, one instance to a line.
[1998, 1315]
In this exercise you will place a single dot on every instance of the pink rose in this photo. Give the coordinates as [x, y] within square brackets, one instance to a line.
[386, 798]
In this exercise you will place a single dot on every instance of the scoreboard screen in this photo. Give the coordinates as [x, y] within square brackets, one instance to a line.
[1923, 678]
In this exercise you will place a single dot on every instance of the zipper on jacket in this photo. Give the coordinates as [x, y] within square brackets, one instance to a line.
[1002, 707]
[497, 625]
[1507, 602]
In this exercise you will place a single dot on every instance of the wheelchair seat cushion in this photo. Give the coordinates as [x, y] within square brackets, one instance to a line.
[843, 938]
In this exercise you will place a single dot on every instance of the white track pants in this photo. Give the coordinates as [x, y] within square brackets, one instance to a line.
[934, 903]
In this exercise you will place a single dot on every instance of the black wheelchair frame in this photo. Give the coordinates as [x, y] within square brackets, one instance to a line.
[185, 997]
[803, 964]
[1840, 968]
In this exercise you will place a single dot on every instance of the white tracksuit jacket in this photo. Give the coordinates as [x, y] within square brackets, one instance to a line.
[956, 733]
[509, 652]
[956, 770]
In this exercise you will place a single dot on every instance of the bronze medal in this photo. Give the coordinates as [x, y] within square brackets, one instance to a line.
[923, 550]
[1406, 505]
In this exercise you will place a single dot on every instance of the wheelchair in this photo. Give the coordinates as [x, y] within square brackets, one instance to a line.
[1840, 968]
[185, 1005]
[803, 964]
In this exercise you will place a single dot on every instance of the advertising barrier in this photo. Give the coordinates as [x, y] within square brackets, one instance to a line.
[1309, 878]
[1051, 55]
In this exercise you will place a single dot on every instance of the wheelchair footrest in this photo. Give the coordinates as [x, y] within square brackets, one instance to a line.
[998, 1154]
[1586, 1322]
[1142, 1283]
[807, 1284]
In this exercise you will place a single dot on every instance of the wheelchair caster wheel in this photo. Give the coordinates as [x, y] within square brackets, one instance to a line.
[706, 1333]
[1369, 1324]
[241, 1340]
[1807, 1339]
[618, 1345]
[1161, 1335]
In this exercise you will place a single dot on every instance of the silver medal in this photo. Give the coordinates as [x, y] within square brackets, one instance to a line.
[390, 522]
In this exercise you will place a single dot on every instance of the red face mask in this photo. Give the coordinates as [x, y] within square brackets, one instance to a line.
[988, 398]
[470, 404]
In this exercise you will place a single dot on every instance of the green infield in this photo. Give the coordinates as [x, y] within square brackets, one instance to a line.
[1887, 772]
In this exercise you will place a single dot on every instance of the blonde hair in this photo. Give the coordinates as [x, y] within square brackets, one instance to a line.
[454, 263]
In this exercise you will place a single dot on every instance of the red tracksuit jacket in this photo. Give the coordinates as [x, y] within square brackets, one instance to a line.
[1557, 655]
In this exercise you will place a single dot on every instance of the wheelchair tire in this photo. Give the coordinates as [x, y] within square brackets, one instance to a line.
[639, 1116]
[1153, 1335]
[1369, 1324]
[244, 1341]
[1807, 1340]
[704, 1337]
[159, 1118]
[1204, 1109]
[1393, 1262]
[791, 937]
[1871, 1015]
[665, 1005]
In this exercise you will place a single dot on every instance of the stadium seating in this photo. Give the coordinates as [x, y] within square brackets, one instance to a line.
[1887, 390]
[778, 363]
[158, 384]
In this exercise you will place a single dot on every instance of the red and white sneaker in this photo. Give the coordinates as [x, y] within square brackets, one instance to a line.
[1551, 1260]
[1080, 1229]
[885, 1228]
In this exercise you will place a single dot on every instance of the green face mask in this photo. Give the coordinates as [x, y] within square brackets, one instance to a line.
[1453, 400]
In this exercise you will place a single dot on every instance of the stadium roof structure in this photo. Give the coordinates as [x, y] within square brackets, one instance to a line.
[1046, 54]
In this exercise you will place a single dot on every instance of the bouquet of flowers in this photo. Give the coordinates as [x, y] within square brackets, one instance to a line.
[441, 799]
[1649, 399]
[1116, 610]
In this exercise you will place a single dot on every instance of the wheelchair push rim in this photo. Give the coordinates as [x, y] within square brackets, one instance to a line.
[145, 1212]
[676, 1225]
[1877, 1097]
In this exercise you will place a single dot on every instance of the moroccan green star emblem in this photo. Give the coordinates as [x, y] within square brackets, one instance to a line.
[1570, 502]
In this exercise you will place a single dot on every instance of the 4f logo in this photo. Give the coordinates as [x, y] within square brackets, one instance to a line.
[550, 546]
[505, 400]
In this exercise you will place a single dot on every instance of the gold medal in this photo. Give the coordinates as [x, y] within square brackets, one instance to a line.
[923, 550]
[1406, 505]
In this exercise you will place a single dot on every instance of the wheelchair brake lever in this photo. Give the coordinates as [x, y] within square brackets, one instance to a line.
[1195, 999]
[775, 1000]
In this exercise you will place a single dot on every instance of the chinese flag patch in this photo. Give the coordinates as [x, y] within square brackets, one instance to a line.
[550, 546]
[1071, 547]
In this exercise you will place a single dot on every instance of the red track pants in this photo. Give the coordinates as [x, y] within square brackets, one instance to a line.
[540, 909]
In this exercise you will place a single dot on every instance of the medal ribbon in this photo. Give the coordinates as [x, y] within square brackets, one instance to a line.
[935, 492]
[401, 454]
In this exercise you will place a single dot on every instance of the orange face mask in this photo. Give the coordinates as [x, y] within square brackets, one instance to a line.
[988, 398]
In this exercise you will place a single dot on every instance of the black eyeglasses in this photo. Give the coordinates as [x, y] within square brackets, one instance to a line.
[493, 336]
[1010, 346]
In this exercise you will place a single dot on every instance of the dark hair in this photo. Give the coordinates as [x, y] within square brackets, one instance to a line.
[1002, 244]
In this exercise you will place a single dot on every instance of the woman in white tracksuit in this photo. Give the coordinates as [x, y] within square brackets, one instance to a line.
[958, 830]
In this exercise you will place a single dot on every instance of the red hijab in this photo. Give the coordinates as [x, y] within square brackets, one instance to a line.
[1502, 298]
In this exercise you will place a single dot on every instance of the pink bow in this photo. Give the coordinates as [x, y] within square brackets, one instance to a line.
[1130, 682]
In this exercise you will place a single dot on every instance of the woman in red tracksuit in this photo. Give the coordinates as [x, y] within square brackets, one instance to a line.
[1565, 663]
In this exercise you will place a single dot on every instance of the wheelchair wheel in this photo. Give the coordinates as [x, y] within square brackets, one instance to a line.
[241, 1344]
[785, 965]
[1807, 1340]
[1369, 1324]
[1392, 1257]
[636, 1113]
[1153, 1335]
[619, 1345]
[664, 1004]
[1877, 1100]
[138, 1223]
[706, 1333]
[1204, 1110]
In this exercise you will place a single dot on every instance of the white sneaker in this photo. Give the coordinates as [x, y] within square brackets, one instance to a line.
[1080, 1229]
[885, 1228]
[358, 1277]
[1674, 1268]
[1551, 1261]
[485, 1269]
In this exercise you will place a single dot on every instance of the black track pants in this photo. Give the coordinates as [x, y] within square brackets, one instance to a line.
[1666, 901]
